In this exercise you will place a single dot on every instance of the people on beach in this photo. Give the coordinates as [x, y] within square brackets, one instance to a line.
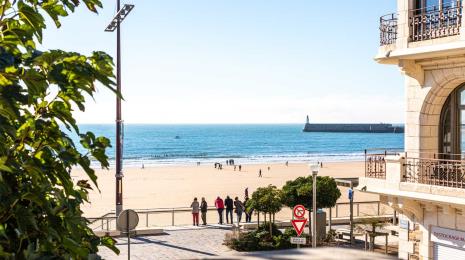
[195, 212]
[248, 210]
[239, 208]
[229, 203]
[219, 204]
[143, 167]
[260, 173]
[287, 163]
[234, 167]
[240, 167]
[203, 210]
[269, 168]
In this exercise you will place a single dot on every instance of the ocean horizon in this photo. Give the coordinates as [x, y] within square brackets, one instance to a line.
[186, 144]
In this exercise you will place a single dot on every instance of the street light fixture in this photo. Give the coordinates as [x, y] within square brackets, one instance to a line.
[115, 25]
[119, 17]
[315, 168]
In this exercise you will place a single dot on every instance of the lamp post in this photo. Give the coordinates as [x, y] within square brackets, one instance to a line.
[315, 168]
[115, 25]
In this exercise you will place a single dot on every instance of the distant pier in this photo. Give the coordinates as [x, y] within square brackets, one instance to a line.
[353, 128]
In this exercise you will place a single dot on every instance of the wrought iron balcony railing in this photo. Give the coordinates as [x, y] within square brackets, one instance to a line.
[424, 24]
[438, 172]
[434, 22]
[388, 29]
[375, 162]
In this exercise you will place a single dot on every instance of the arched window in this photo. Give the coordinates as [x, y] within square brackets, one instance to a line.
[452, 125]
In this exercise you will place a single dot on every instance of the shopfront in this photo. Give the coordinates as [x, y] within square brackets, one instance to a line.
[448, 243]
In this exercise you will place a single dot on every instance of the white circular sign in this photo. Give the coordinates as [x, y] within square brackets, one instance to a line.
[127, 220]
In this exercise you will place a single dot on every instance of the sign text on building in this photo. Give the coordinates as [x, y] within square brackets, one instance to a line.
[448, 236]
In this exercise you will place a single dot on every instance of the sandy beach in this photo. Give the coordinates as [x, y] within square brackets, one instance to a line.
[175, 186]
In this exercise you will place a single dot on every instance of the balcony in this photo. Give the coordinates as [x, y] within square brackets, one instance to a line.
[437, 172]
[423, 24]
[425, 177]
[429, 171]
[375, 162]
[388, 29]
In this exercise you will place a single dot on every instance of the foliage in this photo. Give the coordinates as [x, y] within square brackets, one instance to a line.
[300, 191]
[260, 240]
[267, 199]
[267, 226]
[40, 215]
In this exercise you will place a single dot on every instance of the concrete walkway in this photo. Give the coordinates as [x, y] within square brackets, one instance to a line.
[176, 243]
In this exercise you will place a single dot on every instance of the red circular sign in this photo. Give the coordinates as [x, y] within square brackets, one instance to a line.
[299, 211]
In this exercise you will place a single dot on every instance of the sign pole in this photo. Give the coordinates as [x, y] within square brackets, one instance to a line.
[129, 236]
[314, 210]
[351, 199]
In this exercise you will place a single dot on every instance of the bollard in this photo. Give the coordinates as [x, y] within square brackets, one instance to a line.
[147, 219]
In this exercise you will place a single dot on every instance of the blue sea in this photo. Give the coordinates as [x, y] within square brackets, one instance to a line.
[188, 144]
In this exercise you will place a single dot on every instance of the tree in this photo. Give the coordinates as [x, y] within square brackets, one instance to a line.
[40, 214]
[267, 200]
[300, 191]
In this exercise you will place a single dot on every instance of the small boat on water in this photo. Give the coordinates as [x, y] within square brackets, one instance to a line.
[177, 137]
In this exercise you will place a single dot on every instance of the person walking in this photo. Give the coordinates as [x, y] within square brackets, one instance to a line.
[240, 167]
[195, 212]
[239, 209]
[260, 173]
[203, 210]
[219, 204]
[229, 203]
[248, 211]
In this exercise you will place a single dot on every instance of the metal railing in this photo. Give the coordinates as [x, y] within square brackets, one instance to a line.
[434, 22]
[373, 207]
[388, 29]
[375, 162]
[174, 216]
[424, 24]
[438, 172]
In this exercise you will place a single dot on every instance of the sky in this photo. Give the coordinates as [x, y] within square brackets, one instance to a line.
[241, 61]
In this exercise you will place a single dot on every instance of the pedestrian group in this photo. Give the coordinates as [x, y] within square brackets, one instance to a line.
[233, 207]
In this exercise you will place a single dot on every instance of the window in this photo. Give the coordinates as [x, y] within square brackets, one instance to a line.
[452, 125]
[432, 5]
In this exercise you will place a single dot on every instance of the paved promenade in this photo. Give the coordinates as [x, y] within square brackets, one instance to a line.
[179, 243]
[206, 243]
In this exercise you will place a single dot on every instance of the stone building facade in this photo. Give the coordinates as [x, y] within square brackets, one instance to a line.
[425, 183]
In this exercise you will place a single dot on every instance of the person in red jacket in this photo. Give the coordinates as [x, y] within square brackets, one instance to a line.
[219, 204]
